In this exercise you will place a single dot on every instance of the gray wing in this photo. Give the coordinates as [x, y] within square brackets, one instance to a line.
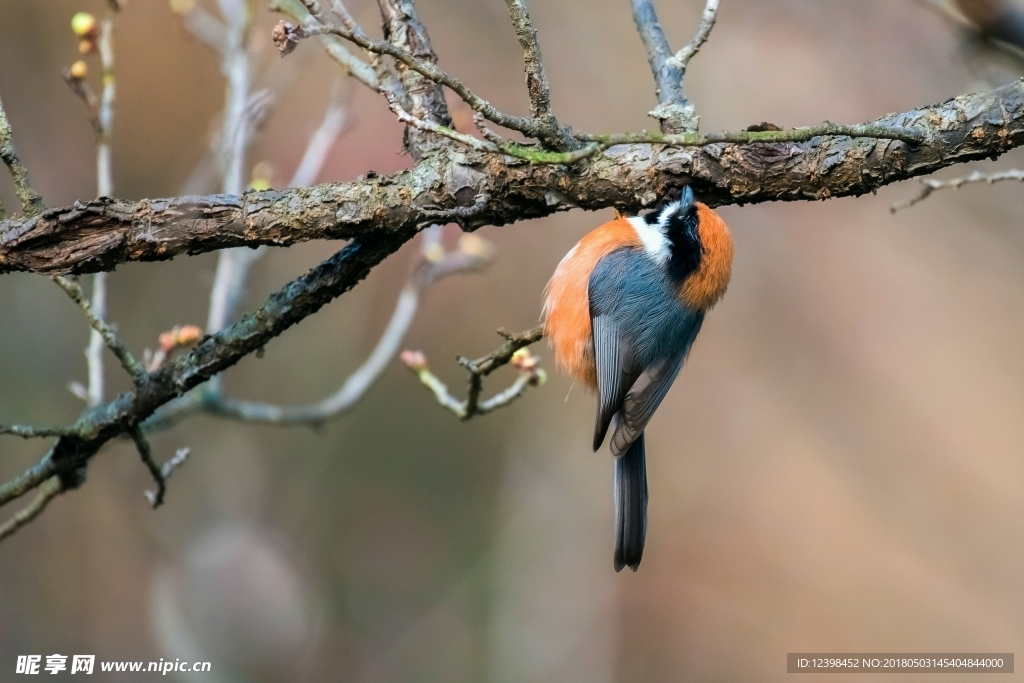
[642, 399]
[649, 389]
[613, 356]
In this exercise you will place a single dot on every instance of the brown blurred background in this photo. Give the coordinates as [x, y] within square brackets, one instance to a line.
[838, 468]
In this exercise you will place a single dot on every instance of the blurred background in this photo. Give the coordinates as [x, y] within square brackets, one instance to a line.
[838, 467]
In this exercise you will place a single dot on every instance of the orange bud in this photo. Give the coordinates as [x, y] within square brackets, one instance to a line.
[79, 70]
[414, 359]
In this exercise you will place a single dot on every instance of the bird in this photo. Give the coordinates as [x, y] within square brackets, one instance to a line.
[621, 312]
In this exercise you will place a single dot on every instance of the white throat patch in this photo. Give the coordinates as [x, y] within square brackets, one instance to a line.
[653, 238]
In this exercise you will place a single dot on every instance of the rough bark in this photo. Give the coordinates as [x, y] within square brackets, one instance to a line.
[99, 235]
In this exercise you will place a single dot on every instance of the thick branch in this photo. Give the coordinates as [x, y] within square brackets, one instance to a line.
[99, 235]
[297, 300]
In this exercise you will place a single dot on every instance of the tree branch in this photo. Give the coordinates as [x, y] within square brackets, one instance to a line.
[48, 490]
[31, 202]
[297, 300]
[32, 432]
[146, 453]
[674, 110]
[512, 351]
[469, 257]
[707, 22]
[133, 367]
[929, 185]
[555, 136]
[415, 68]
[101, 234]
[166, 470]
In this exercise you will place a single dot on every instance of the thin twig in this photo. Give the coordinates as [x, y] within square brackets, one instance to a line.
[84, 91]
[503, 354]
[929, 185]
[233, 264]
[472, 255]
[26, 432]
[321, 142]
[707, 22]
[48, 490]
[355, 67]
[527, 126]
[166, 470]
[31, 202]
[146, 453]
[674, 110]
[128, 362]
[599, 143]
[205, 27]
[104, 188]
[749, 137]
[536, 79]
[512, 351]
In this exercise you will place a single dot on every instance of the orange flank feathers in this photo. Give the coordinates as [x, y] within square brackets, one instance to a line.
[706, 286]
[567, 303]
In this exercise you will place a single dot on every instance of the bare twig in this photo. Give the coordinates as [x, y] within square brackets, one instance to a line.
[707, 22]
[675, 111]
[527, 126]
[929, 185]
[473, 254]
[555, 136]
[128, 362]
[233, 264]
[81, 87]
[536, 79]
[320, 144]
[512, 351]
[94, 352]
[146, 453]
[432, 127]
[297, 300]
[48, 490]
[205, 27]
[503, 354]
[32, 432]
[31, 202]
[355, 67]
[104, 188]
[166, 470]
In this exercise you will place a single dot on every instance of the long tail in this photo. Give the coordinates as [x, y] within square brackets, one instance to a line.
[630, 505]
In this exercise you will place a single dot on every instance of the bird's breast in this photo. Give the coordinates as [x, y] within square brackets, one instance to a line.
[566, 299]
